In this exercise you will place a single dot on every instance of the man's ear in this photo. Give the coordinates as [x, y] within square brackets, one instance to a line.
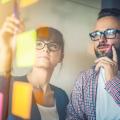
[91, 49]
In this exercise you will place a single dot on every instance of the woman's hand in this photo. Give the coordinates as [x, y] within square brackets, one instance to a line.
[11, 27]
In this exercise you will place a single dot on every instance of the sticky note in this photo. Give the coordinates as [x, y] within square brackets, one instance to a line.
[22, 99]
[1, 105]
[25, 48]
[4, 1]
[26, 3]
[39, 97]
[43, 33]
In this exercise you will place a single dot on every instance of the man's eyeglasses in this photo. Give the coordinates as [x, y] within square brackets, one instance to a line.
[108, 34]
[52, 46]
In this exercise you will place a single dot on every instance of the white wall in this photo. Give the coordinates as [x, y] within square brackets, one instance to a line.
[75, 21]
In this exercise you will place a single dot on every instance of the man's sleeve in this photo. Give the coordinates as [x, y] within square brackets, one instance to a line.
[76, 105]
[113, 88]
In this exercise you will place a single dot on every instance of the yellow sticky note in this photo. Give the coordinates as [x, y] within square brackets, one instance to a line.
[26, 3]
[5, 1]
[22, 99]
[25, 48]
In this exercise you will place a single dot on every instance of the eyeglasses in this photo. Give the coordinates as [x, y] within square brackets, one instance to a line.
[108, 34]
[52, 46]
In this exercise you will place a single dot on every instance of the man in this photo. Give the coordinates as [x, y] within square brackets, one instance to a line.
[96, 94]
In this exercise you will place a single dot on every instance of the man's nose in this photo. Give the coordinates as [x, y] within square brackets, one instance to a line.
[102, 38]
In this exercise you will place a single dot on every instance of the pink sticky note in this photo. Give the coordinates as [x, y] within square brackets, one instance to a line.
[1, 105]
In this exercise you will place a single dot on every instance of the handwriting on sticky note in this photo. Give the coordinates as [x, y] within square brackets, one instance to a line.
[25, 51]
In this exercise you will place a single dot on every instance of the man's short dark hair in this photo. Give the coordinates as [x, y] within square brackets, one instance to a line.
[109, 12]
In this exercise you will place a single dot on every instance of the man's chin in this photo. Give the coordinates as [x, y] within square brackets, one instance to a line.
[104, 54]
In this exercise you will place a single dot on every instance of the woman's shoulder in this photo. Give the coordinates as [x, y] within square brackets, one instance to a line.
[59, 93]
[57, 89]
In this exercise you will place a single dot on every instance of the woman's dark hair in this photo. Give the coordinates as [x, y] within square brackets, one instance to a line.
[109, 12]
[51, 34]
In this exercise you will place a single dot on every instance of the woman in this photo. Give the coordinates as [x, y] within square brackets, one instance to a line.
[49, 101]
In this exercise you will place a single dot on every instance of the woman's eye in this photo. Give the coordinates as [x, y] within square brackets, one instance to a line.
[39, 44]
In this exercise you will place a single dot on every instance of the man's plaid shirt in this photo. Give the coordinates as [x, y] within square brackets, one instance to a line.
[82, 105]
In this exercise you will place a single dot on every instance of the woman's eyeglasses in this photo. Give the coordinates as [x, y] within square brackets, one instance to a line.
[52, 46]
[108, 34]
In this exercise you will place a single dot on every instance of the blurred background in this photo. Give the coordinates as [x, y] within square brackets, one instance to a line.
[75, 19]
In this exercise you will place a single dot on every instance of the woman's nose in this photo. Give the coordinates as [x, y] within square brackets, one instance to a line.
[46, 49]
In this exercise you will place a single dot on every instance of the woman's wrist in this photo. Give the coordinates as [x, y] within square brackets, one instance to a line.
[5, 62]
[6, 74]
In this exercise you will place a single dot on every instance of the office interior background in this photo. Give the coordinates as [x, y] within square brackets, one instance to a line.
[75, 19]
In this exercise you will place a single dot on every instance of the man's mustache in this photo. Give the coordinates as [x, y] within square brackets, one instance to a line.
[103, 45]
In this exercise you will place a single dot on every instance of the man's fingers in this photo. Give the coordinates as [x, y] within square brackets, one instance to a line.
[99, 65]
[114, 54]
[103, 59]
[104, 64]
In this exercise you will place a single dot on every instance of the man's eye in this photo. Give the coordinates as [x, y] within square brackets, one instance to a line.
[110, 32]
[96, 34]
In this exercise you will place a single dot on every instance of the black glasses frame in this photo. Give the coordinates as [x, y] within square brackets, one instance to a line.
[105, 33]
[52, 46]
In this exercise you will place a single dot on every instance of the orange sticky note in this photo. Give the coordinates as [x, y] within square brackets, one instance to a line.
[22, 99]
[39, 97]
[25, 48]
[5, 1]
[26, 3]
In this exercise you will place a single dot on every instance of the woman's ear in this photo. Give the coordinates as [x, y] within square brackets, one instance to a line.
[61, 58]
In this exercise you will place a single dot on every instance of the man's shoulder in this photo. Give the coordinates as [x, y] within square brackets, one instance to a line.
[84, 77]
[87, 72]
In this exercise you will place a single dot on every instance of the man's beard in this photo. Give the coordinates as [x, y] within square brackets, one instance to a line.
[109, 53]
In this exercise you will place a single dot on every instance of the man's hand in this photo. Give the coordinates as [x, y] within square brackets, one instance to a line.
[110, 66]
